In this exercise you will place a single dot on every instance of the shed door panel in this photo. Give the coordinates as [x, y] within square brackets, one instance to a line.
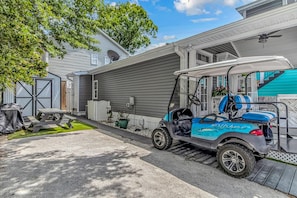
[34, 97]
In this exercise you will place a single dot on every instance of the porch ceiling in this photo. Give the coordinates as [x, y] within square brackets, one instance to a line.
[277, 19]
[286, 46]
[226, 47]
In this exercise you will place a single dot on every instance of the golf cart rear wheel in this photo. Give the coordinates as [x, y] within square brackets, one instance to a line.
[236, 160]
[161, 139]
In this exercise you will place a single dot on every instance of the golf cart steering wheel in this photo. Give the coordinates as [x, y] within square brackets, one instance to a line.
[194, 99]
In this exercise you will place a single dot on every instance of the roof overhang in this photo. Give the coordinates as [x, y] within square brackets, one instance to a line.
[276, 19]
[77, 73]
[238, 66]
[148, 55]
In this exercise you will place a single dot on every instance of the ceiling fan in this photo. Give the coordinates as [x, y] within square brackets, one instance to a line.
[262, 38]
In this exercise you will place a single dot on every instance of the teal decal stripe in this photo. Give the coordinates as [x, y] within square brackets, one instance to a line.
[215, 130]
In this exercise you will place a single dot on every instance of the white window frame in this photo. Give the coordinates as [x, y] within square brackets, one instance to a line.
[221, 81]
[95, 89]
[94, 59]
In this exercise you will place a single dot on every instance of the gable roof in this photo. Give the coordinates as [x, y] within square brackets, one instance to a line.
[114, 42]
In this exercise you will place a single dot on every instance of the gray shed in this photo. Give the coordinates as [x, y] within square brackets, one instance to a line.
[45, 93]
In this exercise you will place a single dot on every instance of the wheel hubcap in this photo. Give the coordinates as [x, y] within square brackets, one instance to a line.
[233, 161]
[159, 138]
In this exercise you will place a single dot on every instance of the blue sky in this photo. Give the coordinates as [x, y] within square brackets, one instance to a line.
[178, 19]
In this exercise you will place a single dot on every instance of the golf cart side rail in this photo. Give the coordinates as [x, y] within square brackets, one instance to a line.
[278, 117]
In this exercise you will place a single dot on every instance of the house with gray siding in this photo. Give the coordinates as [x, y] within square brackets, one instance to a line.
[72, 67]
[65, 78]
[148, 77]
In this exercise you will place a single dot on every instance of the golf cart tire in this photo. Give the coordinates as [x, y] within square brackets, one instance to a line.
[242, 154]
[161, 139]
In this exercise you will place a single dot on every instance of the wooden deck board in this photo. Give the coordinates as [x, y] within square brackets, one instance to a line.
[293, 190]
[275, 175]
[259, 165]
[285, 181]
[264, 173]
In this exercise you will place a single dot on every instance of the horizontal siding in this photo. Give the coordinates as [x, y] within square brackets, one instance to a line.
[73, 61]
[284, 84]
[150, 82]
[80, 59]
[85, 91]
[264, 8]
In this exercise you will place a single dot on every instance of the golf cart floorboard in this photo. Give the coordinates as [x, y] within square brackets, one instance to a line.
[273, 174]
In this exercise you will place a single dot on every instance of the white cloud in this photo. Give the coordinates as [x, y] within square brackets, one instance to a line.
[113, 4]
[230, 2]
[197, 7]
[169, 37]
[150, 47]
[134, 2]
[234, 2]
[191, 7]
[218, 12]
[163, 8]
[203, 20]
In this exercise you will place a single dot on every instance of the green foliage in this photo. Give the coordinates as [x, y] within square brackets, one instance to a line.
[29, 28]
[219, 91]
[77, 126]
[128, 24]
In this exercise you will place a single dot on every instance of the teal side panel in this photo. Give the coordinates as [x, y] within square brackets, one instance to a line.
[284, 84]
[215, 130]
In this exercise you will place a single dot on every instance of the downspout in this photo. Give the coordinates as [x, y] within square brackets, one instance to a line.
[183, 65]
[93, 87]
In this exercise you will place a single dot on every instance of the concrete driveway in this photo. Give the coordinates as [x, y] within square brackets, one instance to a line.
[93, 164]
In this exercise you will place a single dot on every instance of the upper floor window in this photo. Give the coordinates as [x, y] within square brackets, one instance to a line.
[94, 59]
[107, 60]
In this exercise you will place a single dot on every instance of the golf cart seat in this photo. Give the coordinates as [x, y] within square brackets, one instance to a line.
[240, 102]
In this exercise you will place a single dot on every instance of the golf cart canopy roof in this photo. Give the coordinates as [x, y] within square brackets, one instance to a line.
[239, 66]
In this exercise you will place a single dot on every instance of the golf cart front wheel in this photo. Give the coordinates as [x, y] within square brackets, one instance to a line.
[236, 160]
[161, 139]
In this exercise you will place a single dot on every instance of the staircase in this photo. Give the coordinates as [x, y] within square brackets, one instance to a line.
[269, 76]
